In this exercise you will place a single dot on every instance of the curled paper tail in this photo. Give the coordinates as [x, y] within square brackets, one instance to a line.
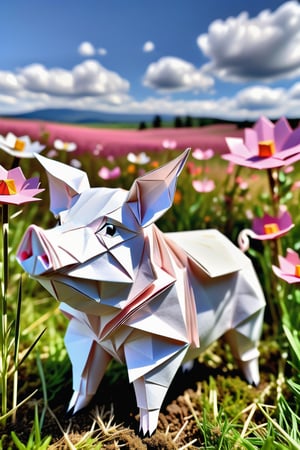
[243, 239]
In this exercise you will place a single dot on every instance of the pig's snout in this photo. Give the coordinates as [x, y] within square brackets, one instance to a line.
[32, 253]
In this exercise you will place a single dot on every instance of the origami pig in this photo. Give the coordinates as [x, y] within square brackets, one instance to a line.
[147, 299]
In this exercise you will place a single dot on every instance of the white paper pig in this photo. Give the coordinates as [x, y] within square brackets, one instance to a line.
[150, 300]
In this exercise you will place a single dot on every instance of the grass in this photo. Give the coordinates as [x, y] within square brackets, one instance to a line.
[222, 410]
[112, 126]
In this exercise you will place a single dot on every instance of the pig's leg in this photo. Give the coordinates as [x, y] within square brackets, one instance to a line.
[89, 360]
[149, 398]
[243, 341]
[150, 390]
[85, 384]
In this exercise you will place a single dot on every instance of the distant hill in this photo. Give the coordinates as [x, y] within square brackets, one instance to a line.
[82, 116]
[75, 116]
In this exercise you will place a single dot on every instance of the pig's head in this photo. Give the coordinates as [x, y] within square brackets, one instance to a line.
[99, 255]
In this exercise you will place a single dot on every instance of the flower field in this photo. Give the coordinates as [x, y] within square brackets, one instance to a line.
[244, 183]
[122, 141]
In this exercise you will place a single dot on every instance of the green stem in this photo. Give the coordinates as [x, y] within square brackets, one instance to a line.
[229, 194]
[273, 177]
[16, 353]
[4, 327]
[275, 244]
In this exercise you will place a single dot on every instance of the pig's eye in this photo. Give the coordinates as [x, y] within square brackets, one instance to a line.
[109, 229]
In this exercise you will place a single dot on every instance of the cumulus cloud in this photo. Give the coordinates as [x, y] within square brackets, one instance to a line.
[175, 74]
[91, 86]
[265, 47]
[256, 98]
[148, 47]
[295, 91]
[91, 78]
[35, 86]
[86, 49]
[248, 103]
[8, 82]
[37, 78]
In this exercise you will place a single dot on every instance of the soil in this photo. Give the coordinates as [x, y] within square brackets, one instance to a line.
[119, 420]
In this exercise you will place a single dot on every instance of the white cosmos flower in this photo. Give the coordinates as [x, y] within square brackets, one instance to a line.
[64, 146]
[21, 147]
[141, 158]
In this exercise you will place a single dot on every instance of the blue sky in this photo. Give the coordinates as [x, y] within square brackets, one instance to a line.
[229, 59]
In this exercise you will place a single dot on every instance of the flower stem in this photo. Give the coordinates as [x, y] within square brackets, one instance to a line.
[16, 354]
[4, 327]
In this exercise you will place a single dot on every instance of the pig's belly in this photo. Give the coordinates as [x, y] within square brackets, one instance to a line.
[215, 303]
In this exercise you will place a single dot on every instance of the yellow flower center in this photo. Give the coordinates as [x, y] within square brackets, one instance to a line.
[266, 149]
[297, 270]
[270, 228]
[131, 169]
[177, 197]
[19, 145]
[7, 187]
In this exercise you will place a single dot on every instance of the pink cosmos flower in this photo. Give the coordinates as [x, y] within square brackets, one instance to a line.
[20, 147]
[193, 169]
[203, 186]
[203, 154]
[75, 163]
[289, 169]
[266, 145]
[98, 149]
[169, 144]
[52, 153]
[230, 168]
[15, 189]
[109, 174]
[243, 185]
[296, 185]
[289, 267]
[266, 228]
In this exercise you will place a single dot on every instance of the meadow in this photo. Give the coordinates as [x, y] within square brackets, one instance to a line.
[212, 407]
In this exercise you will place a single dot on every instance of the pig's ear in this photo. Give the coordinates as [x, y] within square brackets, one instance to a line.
[65, 182]
[153, 193]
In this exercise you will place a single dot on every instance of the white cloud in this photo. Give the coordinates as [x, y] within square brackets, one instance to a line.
[91, 78]
[8, 81]
[249, 103]
[256, 98]
[148, 47]
[295, 92]
[86, 49]
[35, 86]
[265, 47]
[8, 100]
[37, 78]
[175, 74]
[102, 51]
[89, 85]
